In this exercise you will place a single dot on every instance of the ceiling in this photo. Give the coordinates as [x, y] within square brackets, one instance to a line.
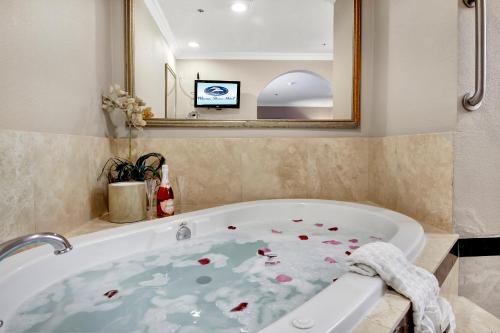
[297, 89]
[269, 29]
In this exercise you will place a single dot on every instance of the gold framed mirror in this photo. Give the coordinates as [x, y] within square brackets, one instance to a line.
[344, 110]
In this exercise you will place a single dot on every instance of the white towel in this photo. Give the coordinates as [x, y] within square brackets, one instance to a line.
[431, 313]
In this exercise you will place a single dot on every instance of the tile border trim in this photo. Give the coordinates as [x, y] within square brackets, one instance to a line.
[477, 247]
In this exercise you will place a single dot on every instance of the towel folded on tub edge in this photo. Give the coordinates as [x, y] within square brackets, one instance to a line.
[431, 313]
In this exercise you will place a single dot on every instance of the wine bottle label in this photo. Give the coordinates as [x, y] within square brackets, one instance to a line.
[167, 206]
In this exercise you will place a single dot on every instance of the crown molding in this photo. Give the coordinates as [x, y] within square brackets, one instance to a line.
[157, 13]
[255, 56]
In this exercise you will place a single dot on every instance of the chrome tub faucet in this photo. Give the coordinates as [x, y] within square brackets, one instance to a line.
[183, 232]
[60, 244]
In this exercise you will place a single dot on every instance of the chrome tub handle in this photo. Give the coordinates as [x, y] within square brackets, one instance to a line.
[472, 102]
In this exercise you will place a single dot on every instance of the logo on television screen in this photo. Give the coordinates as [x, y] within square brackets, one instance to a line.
[216, 91]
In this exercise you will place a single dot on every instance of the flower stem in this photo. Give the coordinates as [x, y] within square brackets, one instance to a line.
[130, 143]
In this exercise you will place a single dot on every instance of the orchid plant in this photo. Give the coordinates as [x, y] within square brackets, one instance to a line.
[132, 107]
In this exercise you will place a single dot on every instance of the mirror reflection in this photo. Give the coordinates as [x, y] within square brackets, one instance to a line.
[245, 59]
[296, 95]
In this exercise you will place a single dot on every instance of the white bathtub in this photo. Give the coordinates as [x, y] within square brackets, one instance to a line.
[338, 308]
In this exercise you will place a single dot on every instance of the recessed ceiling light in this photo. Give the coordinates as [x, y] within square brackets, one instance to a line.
[239, 7]
[193, 44]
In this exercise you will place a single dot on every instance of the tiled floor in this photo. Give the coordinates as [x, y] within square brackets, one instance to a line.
[473, 319]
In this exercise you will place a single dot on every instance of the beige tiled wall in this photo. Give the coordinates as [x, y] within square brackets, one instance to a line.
[477, 160]
[210, 172]
[413, 174]
[49, 182]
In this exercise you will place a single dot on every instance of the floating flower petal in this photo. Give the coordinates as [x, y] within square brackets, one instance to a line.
[282, 278]
[353, 247]
[297, 220]
[354, 240]
[348, 253]
[319, 225]
[240, 307]
[263, 250]
[330, 260]
[303, 237]
[274, 231]
[111, 293]
[231, 227]
[204, 261]
[333, 229]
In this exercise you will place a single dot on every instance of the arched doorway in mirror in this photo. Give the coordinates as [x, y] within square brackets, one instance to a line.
[299, 94]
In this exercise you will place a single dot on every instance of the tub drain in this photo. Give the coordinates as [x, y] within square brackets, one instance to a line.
[204, 280]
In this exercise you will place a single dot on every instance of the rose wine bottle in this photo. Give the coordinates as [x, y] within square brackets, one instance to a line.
[165, 196]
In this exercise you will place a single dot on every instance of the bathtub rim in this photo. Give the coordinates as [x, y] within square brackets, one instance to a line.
[409, 238]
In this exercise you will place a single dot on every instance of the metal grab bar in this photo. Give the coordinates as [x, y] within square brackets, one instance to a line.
[472, 102]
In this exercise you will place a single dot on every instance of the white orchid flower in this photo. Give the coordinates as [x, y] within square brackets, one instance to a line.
[131, 106]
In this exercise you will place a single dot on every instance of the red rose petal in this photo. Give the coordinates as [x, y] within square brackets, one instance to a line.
[263, 250]
[297, 220]
[204, 261]
[282, 278]
[333, 229]
[319, 225]
[354, 247]
[334, 280]
[303, 237]
[231, 227]
[348, 253]
[240, 307]
[111, 293]
[354, 240]
[274, 231]
[330, 260]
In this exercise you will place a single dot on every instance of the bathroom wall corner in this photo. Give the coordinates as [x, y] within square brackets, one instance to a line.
[50, 181]
[413, 174]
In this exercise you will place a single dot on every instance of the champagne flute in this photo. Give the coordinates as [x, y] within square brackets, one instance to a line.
[151, 188]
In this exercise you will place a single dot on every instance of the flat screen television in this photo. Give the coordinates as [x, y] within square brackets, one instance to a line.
[217, 94]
